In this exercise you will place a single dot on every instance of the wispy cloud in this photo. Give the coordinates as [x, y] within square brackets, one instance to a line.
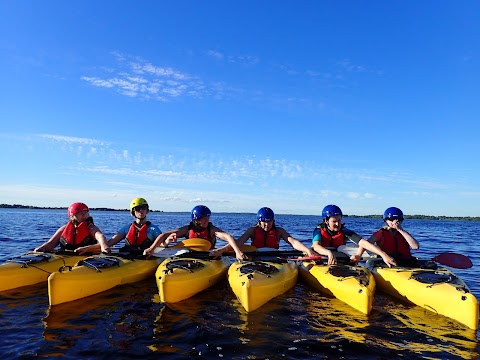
[72, 140]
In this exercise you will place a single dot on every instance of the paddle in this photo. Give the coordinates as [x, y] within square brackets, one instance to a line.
[453, 260]
[183, 247]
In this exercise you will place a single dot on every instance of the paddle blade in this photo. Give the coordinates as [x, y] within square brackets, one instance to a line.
[166, 252]
[453, 260]
[244, 248]
[194, 244]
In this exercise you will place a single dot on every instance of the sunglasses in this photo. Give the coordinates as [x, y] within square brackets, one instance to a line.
[141, 207]
[393, 219]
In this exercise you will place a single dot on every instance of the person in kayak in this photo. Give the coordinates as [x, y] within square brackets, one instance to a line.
[393, 239]
[265, 234]
[79, 231]
[331, 233]
[200, 227]
[139, 234]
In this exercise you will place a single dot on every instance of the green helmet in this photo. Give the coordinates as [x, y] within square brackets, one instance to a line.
[137, 202]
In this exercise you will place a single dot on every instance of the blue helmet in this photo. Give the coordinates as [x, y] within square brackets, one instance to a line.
[393, 213]
[331, 210]
[200, 211]
[265, 214]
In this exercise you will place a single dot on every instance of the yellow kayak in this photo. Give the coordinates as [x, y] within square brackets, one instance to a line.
[353, 285]
[181, 278]
[32, 268]
[436, 289]
[95, 274]
[256, 282]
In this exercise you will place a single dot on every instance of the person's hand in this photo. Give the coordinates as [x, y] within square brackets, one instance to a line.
[332, 260]
[355, 258]
[171, 238]
[81, 250]
[389, 261]
[217, 252]
[240, 255]
[106, 250]
[149, 252]
[397, 225]
[309, 253]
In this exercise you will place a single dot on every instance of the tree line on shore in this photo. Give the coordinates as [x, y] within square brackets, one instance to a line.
[418, 217]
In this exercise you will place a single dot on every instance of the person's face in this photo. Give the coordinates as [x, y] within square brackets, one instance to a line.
[393, 222]
[203, 222]
[334, 222]
[266, 225]
[141, 211]
[82, 216]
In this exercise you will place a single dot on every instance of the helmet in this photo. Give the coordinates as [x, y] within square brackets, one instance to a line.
[75, 208]
[137, 202]
[200, 211]
[331, 210]
[393, 213]
[265, 214]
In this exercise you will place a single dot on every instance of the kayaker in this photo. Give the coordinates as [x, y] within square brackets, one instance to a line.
[200, 227]
[393, 239]
[331, 233]
[265, 234]
[139, 234]
[79, 231]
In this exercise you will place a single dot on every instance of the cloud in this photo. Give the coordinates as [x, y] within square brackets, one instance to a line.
[72, 140]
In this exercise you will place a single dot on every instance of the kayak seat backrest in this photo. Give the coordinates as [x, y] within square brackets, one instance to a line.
[100, 262]
[28, 259]
[259, 267]
[345, 271]
[185, 264]
[431, 277]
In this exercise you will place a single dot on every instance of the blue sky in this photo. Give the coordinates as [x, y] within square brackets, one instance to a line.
[239, 105]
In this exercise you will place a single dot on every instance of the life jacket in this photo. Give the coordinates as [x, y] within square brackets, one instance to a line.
[394, 244]
[262, 238]
[74, 237]
[330, 239]
[137, 236]
[204, 233]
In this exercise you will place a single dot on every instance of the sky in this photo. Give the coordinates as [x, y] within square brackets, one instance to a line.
[240, 105]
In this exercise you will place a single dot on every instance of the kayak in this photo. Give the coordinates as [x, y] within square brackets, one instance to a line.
[33, 268]
[254, 283]
[353, 285]
[430, 286]
[181, 278]
[96, 274]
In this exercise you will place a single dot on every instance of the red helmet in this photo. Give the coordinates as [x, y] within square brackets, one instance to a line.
[75, 208]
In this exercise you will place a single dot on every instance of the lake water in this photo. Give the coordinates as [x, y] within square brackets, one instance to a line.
[129, 322]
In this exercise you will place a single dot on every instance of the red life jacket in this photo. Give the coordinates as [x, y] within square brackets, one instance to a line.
[262, 238]
[137, 236]
[328, 240]
[204, 233]
[393, 243]
[74, 237]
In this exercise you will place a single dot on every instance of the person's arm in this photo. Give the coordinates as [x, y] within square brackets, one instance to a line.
[412, 242]
[98, 235]
[387, 259]
[319, 249]
[231, 242]
[50, 245]
[297, 245]
[166, 238]
[240, 241]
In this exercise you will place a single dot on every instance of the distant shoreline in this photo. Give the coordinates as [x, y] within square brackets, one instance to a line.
[421, 217]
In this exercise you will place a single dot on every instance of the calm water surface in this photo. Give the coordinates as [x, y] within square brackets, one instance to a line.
[129, 322]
